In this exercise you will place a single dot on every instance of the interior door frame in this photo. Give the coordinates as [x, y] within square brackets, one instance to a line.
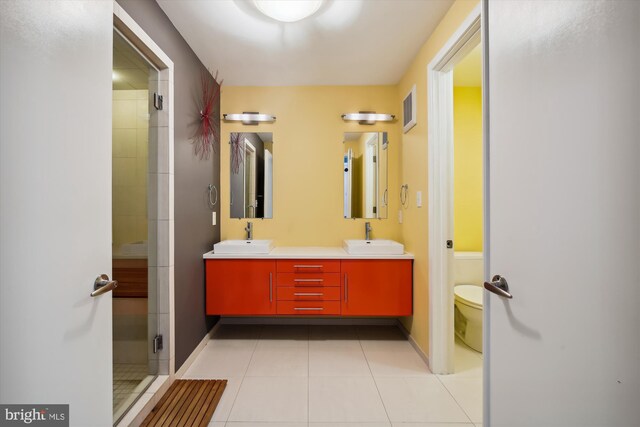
[486, 188]
[440, 188]
[160, 213]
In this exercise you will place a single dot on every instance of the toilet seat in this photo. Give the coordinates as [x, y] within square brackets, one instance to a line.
[470, 295]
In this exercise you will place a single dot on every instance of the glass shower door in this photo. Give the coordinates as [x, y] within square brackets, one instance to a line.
[135, 323]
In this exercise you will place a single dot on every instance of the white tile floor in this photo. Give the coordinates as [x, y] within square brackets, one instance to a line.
[335, 376]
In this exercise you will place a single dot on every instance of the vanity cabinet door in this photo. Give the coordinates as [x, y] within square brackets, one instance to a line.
[241, 287]
[377, 287]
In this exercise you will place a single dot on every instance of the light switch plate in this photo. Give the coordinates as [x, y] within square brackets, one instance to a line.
[213, 218]
[419, 199]
[400, 217]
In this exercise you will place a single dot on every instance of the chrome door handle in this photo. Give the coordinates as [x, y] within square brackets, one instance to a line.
[270, 287]
[498, 286]
[102, 285]
[308, 280]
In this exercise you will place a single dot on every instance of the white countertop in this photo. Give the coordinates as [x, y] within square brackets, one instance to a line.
[305, 252]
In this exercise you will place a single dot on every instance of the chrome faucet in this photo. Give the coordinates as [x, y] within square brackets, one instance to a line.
[249, 230]
[367, 231]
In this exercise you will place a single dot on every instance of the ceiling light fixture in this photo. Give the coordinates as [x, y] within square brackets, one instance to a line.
[249, 118]
[288, 10]
[368, 117]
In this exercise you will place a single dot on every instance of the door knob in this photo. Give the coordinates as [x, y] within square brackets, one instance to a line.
[498, 286]
[102, 285]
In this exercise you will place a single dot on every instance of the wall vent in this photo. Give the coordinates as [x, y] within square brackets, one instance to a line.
[409, 110]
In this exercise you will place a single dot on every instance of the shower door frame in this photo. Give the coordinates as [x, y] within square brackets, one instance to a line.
[161, 219]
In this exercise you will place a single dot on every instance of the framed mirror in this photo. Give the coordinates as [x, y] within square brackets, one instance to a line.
[365, 161]
[251, 175]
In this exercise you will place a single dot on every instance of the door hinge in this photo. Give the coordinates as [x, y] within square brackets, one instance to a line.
[157, 343]
[157, 101]
[375, 210]
[449, 244]
[375, 158]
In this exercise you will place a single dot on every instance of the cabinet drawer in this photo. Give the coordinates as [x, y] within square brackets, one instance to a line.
[308, 294]
[309, 308]
[308, 265]
[308, 279]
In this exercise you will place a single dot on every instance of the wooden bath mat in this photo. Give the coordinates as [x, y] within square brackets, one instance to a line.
[187, 403]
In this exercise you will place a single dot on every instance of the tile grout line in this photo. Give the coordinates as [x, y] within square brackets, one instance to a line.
[373, 376]
[454, 399]
[473, 354]
[244, 375]
[308, 375]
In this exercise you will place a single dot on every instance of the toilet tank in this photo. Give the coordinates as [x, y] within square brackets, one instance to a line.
[468, 268]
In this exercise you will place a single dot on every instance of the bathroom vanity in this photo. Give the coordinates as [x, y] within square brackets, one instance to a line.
[303, 281]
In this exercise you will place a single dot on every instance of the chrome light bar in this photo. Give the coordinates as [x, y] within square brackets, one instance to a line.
[249, 118]
[368, 117]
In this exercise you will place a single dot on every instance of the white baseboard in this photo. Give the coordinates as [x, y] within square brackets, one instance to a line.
[196, 351]
[414, 344]
[306, 321]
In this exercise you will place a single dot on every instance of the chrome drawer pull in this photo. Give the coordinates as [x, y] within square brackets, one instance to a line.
[308, 294]
[346, 287]
[308, 280]
[308, 266]
[307, 308]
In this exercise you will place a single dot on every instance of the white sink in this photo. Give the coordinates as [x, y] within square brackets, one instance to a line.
[373, 247]
[243, 247]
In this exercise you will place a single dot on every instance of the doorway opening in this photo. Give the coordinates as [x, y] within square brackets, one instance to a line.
[468, 259]
[456, 201]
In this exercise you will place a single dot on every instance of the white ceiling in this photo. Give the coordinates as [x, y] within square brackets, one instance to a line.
[347, 42]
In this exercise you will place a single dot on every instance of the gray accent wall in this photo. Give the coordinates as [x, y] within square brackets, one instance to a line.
[194, 233]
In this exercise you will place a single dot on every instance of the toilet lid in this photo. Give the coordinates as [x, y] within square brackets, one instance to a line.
[469, 294]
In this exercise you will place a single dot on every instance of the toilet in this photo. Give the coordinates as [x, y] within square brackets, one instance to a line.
[468, 293]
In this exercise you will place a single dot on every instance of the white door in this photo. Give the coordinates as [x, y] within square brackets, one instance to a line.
[55, 206]
[268, 184]
[348, 172]
[564, 228]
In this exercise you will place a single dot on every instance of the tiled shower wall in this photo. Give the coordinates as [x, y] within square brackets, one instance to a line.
[130, 159]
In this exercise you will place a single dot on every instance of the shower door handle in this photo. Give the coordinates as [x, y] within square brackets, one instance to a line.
[102, 285]
[498, 286]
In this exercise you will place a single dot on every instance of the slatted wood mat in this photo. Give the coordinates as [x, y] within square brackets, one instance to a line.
[187, 403]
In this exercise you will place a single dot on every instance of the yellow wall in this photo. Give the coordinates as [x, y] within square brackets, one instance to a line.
[307, 161]
[414, 230]
[467, 166]
[130, 158]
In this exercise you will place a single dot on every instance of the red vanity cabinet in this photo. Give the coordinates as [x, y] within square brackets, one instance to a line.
[240, 287]
[381, 287]
[320, 287]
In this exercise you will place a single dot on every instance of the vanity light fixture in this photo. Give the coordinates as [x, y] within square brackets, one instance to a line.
[249, 118]
[368, 117]
[287, 10]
